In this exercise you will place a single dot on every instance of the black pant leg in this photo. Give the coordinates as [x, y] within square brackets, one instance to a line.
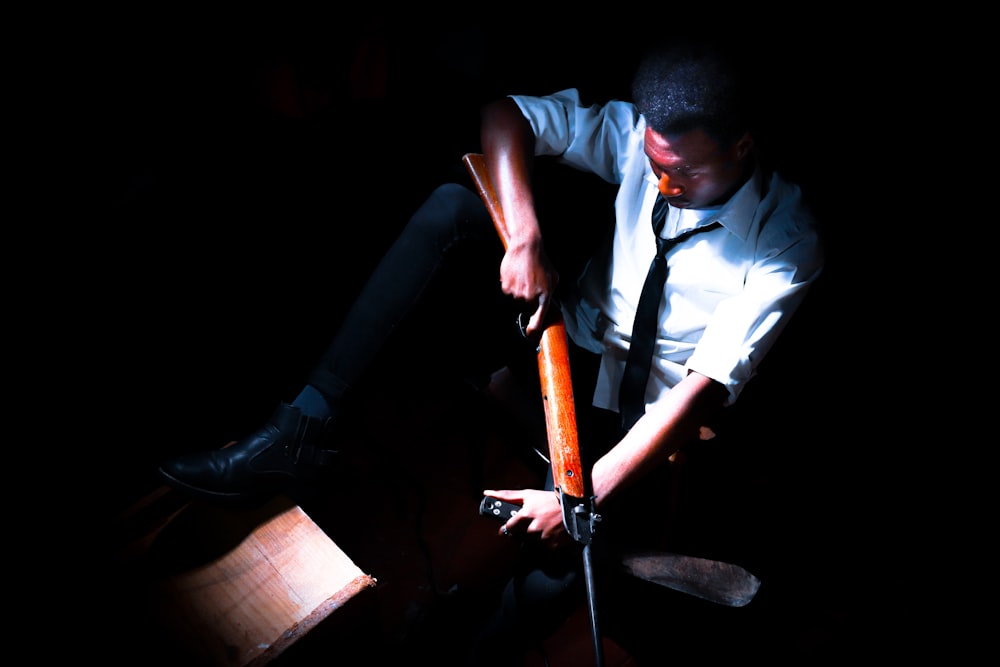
[451, 223]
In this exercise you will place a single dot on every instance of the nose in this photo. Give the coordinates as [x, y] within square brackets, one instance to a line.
[668, 189]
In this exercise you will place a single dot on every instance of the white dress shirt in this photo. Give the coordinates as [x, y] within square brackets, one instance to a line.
[730, 290]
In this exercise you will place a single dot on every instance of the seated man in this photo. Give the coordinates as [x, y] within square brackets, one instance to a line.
[740, 249]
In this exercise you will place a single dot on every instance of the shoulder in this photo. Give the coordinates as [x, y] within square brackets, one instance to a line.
[788, 219]
[784, 199]
[571, 98]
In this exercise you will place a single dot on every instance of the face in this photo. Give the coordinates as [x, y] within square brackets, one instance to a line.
[694, 171]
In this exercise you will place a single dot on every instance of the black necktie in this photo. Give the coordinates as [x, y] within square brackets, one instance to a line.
[632, 393]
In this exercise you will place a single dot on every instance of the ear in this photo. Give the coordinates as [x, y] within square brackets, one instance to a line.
[744, 145]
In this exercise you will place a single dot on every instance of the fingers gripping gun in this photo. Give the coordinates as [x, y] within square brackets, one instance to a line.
[560, 413]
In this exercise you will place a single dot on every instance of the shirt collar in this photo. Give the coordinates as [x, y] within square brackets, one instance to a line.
[737, 214]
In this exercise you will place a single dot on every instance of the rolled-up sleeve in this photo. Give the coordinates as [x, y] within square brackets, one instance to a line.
[743, 327]
[596, 138]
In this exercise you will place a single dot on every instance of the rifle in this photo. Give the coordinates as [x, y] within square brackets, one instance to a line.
[560, 414]
[715, 581]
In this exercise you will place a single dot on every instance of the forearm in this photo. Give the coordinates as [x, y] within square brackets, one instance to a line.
[508, 149]
[666, 427]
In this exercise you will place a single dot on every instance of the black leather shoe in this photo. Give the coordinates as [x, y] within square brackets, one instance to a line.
[290, 448]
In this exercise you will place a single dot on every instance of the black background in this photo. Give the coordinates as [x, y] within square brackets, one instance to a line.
[263, 165]
[247, 172]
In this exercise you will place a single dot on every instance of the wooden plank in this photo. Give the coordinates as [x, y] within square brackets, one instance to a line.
[238, 587]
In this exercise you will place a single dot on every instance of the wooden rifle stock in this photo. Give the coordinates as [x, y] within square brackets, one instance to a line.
[553, 365]
[560, 413]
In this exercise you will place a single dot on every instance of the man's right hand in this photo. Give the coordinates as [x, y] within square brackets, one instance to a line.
[527, 275]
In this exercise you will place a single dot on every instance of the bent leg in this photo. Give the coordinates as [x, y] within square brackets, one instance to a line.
[453, 217]
[293, 442]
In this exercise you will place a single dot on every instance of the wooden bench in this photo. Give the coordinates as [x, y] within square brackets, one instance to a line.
[233, 588]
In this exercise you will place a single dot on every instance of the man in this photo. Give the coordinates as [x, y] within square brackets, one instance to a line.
[684, 160]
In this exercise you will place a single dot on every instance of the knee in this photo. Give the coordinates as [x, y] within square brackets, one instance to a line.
[452, 192]
[452, 206]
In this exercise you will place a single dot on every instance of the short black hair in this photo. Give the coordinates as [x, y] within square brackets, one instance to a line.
[682, 85]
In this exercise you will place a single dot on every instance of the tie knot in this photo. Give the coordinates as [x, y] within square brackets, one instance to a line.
[664, 245]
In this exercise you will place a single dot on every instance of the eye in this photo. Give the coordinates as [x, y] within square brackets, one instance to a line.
[682, 171]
